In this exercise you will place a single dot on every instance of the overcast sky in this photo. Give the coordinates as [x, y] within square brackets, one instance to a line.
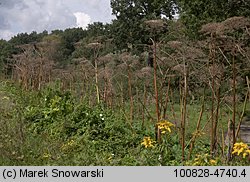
[17, 16]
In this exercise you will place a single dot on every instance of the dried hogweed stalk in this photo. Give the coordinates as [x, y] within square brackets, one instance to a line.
[157, 24]
[235, 23]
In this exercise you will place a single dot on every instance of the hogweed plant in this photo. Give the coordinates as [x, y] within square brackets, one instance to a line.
[155, 26]
[96, 48]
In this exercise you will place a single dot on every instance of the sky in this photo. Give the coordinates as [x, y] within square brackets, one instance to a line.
[20, 16]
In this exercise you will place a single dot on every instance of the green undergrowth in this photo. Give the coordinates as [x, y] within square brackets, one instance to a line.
[53, 127]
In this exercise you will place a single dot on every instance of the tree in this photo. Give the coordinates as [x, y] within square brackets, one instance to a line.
[124, 9]
[96, 29]
[25, 38]
[69, 38]
[6, 51]
[195, 13]
[128, 27]
[127, 33]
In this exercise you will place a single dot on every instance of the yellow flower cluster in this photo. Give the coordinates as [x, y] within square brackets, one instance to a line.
[148, 142]
[204, 160]
[68, 145]
[198, 133]
[165, 126]
[241, 149]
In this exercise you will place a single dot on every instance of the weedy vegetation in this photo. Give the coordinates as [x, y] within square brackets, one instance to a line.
[107, 107]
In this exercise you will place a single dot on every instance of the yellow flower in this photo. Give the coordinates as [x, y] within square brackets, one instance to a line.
[46, 156]
[71, 142]
[213, 162]
[204, 160]
[198, 133]
[196, 164]
[148, 142]
[68, 145]
[165, 126]
[241, 148]
[246, 153]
